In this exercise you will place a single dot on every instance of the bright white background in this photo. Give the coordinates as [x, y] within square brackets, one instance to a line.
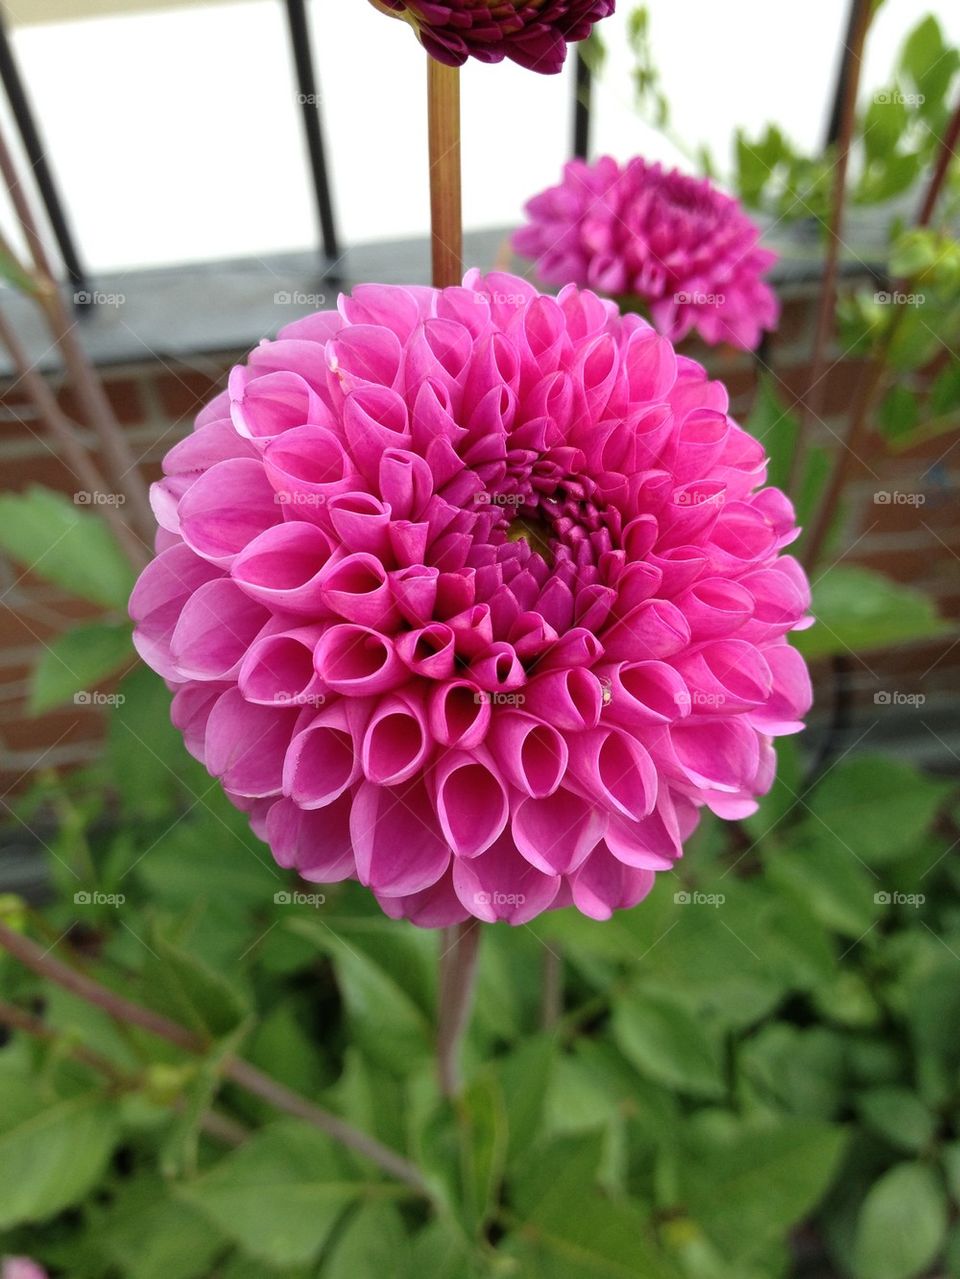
[175, 136]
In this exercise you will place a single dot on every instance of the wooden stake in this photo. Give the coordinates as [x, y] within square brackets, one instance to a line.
[446, 218]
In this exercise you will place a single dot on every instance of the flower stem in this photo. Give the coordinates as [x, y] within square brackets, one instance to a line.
[446, 219]
[235, 1069]
[458, 969]
[811, 405]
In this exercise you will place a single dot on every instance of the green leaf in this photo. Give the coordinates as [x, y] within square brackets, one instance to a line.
[830, 882]
[776, 427]
[668, 1044]
[15, 274]
[568, 1229]
[902, 1224]
[372, 1245]
[49, 535]
[148, 1235]
[883, 124]
[484, 1120]
[51, 1156]
[858, 610]
[76, 662]
[525, 1077]
[928, 61]
[182, 987]
[899, 412]
[748, 1185]
[898, 1115]
[148, 763]
[280, 1195]
[379, 969]
[876, 807]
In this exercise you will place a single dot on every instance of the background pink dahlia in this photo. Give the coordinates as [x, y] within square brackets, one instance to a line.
[534, 33]
[676, 242]
[476, 596]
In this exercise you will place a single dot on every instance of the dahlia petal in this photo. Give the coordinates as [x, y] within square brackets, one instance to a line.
[555, 834]
[396, 838]
[225, 508]
[604, 884]
[323, 758]
[245, 744]
[358, 661]
[472, 801]
[216, 627]
[500, 884]
[283, 568]
[315, 844]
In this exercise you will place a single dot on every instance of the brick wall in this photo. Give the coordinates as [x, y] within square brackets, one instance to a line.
[919, 544]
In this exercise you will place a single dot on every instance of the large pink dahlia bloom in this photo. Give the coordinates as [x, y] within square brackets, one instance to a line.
[476, 596]
[675, 242]
[534, 33]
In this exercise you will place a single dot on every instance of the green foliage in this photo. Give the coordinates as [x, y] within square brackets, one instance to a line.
[47, 534]
[858, 610]
[765, 1046]
[77, 661]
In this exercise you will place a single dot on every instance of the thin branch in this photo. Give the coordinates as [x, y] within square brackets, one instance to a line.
[458, 970]
[234, 1068]
[216, 1125]
[124, 473]
[64, 433]
[874, 376]
[446, 220]
[811, 405]
[947, 152]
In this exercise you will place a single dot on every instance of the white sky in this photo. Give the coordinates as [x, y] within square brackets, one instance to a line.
[176, 135]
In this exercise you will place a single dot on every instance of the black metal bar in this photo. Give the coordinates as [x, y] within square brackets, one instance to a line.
[582, 99]
[309, 99]
[843, 74]
[36, 155]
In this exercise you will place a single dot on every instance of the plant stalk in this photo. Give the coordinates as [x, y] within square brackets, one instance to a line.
[63, 431]
[234, 1068]
[458, 971]
[117, 454]
[446, 219]
[811, 405]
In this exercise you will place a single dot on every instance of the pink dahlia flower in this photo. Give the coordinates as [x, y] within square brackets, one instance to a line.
[677, 243]
[21, 1268]
[534, 33]
[475, 596]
